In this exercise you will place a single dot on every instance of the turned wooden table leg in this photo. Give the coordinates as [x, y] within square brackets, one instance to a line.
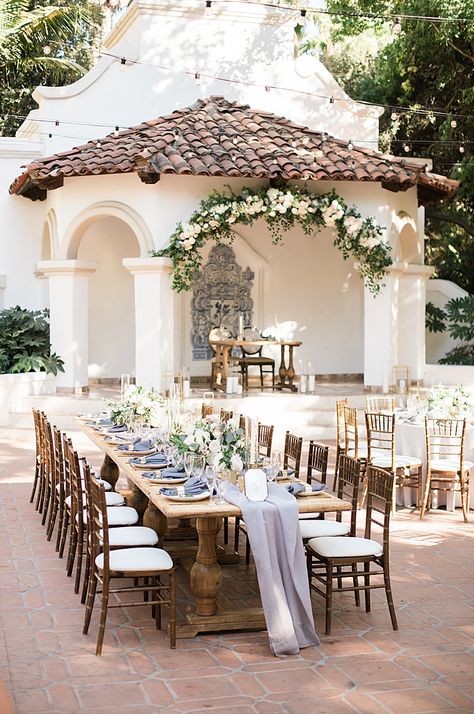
[282, 368]
[137, 499]
[109, 471]
[206, 575]
[290, 373]
[154, 518]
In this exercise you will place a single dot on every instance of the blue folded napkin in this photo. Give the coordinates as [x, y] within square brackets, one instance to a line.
[163, 475]
[194, 486]
[298, 487]
[100, 422]
[173, 472]
[117, 428]
[151, 459]
[288, 472]
[137, 445]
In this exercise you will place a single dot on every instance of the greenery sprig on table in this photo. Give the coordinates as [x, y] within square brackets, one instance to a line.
[25, 343]
[361, 238]
[139, 404]
[221, 443]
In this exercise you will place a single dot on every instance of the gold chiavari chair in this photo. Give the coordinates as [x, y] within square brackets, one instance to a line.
[354, 445]
[144, 566]
[446, 468]
[340, 435]
[330, 555]
[407, 470]
[292, 452]
[380, 404]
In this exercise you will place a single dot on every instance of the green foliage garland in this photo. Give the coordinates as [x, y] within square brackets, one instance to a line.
[282, 209]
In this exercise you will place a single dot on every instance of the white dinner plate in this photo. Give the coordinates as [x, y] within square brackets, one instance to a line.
[183, 499]
[150, 467]
[130, 452]
[165, 481]
[311, 493]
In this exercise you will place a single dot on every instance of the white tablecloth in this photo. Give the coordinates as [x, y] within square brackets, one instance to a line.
[410, 441]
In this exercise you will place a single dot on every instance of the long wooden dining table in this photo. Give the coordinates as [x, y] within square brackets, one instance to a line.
[209, 613]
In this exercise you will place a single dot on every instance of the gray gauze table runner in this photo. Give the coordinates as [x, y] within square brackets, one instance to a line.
[278, 552]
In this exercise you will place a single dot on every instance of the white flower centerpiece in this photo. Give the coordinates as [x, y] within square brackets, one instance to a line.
[222, 444]
[281, 208]
[139, 405]
[450, 402]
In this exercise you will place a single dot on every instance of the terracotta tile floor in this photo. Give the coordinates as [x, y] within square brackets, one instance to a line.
[49, 666]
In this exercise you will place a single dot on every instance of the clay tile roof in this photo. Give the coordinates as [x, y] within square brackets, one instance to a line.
[215, 137]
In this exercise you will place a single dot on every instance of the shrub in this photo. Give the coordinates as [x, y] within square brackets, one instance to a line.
[24, 342]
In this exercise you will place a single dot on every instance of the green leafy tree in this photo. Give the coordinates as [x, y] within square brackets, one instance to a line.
[42, 43]
[428, 64]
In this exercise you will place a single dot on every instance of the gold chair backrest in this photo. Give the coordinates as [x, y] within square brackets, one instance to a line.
[380, 404]
[340, 405]
[445, 440]
[351, 432]
[380, 436]
[226, 415]
[206, 410]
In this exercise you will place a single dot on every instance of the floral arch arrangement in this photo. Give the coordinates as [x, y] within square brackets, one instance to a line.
[282, 208]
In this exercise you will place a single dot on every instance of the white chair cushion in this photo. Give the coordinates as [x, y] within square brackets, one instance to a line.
[319, 528]
[105, 484]
[132, 536]
[448, 465]
[344, 547]
[136, 560]
[362, 450]
[114, 499]
[118, 516]
[401, 462]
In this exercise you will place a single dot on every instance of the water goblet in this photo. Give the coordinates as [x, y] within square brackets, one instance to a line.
[210, 478]
[198, 465]
[276, 465]
[188, 463]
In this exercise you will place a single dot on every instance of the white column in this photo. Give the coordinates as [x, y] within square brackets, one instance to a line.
[3, 285]
[154, 318]
[68, 304]
[380, 332]
[411, 318]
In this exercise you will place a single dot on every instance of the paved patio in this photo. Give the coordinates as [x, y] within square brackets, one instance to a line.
[49, 666]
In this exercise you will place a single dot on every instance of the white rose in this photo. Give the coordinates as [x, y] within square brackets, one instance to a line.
[214, 446]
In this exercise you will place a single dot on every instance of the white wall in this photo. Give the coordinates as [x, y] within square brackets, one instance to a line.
[111, 303]
[21, 230]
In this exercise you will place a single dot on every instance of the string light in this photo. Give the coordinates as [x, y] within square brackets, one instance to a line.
[208, 4]
[47, 50]
[454, 123]
[197, 76]
[393, 116]
[397, 26]
[331, 100]
[406, 148]
[461, 149]
[350, 145]
[303, 16]
[56, 122]
[116, 132]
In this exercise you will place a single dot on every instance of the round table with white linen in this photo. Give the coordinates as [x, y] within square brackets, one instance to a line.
[410, 441]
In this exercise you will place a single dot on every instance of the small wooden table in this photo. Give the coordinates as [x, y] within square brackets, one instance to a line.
[224, 347]
[205, 572]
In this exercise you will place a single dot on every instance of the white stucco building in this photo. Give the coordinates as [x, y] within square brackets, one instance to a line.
[78, 227]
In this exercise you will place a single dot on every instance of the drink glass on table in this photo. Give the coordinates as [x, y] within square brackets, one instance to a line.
[277, 464]
[198, 464]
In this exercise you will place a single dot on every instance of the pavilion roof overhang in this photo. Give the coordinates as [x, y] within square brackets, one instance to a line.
[215, 137]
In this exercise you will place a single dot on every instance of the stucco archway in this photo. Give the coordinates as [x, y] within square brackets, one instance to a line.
[103, 209]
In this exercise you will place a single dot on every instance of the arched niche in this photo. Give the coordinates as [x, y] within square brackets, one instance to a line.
[407, 246]
[114, 209]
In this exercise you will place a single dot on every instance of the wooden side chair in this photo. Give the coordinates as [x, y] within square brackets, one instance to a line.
[146, 567]
[265, 439]
[407, 470]
[292, 452]
[340, 435]
[380, 404]
[60, 490]
[49, 467]
[226, 415]
[252, 357]
[446, 468]
[348, 490]
[368, 559]
[39, 465]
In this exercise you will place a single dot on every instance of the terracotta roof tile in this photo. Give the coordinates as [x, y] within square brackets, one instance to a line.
[221, 138]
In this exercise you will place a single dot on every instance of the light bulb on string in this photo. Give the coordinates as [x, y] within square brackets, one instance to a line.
[406, 148]
[46, 50]
[123, 64]
[208, 5]
[56, 123]
[462, 149]
[98, 145]
[331, 100]
[433, 119]
[303, 16]
[116, 132]
[453, 123]
[350, 145]
[267, 88]
[394, 116]
[197, 76]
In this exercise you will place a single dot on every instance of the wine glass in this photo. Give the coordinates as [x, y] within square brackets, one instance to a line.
[277, 464]
[198, 465]
[221, 487]
[210, 478]
[188, 463]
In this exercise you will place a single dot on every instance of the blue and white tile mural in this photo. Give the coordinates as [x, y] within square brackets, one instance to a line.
[221, 292]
